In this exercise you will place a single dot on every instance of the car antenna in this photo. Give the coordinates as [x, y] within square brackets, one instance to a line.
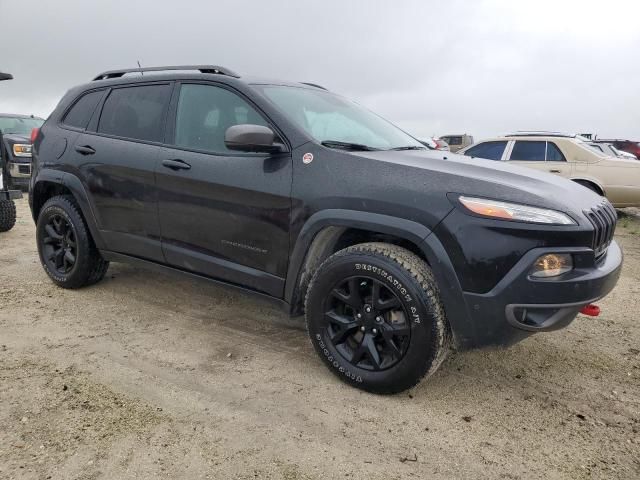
[140, 66]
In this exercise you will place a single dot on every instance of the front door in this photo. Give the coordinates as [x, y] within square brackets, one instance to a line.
[223, 214]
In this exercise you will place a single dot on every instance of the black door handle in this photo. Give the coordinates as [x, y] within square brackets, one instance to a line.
[176, 164]
[85, 150]
[554, 170]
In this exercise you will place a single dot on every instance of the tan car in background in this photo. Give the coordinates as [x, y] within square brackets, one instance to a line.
[569, 156]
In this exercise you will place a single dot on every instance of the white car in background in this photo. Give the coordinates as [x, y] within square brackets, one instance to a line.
[609, 149]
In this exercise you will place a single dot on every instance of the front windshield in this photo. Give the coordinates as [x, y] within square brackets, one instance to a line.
[21, 126]
[330, 118]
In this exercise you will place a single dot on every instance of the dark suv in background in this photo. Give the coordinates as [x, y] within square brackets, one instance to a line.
[15, 147]
[392, 251]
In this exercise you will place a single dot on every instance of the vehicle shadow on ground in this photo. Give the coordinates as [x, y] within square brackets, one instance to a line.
[212, 306]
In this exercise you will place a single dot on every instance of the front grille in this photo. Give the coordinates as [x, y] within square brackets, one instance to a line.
[603, 218]
[25, 169]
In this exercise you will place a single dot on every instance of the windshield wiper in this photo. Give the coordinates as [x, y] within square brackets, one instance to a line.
[348, 146]
[409, 147]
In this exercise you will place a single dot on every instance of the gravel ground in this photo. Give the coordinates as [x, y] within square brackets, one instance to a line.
[151, 376]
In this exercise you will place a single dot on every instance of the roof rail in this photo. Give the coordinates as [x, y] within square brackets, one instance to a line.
[541, 133]
[202, 68]
[314, 85]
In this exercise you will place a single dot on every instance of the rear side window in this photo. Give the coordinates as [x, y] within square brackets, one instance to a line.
[80, 113]
[135, 112]
[529, 151]
[488, 150]
[554, 154]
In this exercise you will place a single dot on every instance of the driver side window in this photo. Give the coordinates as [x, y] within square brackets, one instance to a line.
[204, 114]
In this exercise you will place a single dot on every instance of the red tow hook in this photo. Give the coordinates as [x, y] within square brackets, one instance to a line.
[591, 310]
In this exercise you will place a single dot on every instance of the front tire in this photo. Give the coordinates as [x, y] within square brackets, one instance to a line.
[7, 215]
[375, 317]
[67, 251]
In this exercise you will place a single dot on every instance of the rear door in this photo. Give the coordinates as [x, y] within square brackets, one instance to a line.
[540, 155]
[556, 162]
[116, 160]
[224, 214]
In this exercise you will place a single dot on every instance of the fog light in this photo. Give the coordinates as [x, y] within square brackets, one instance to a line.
[552, 265]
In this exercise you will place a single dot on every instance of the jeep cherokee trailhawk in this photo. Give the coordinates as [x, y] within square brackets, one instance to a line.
[392, 251]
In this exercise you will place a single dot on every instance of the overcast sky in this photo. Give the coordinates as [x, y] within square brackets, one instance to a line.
[431, 67]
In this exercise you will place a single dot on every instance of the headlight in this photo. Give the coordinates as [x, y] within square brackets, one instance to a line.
[514, 211]
[22, 150]
[552, 265]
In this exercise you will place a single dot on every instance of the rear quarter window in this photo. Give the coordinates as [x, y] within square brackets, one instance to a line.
[554, 154]
[80, 113]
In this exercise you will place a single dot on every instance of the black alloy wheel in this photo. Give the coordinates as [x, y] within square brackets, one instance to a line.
[60, 248]
[375, 318]
[65, 246]
[366, 323]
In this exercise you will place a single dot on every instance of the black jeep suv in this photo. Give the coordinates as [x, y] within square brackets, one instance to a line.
[394, 252]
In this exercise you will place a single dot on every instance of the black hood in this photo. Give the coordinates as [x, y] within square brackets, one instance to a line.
[12, 138]
[492, 179]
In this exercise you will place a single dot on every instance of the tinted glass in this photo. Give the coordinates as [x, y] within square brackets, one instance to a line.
[135, 112]
[206, 112]
[553, 153]
[525, 150]
[488, 150]
[81, 111]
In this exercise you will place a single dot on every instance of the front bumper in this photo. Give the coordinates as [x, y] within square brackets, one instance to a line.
[19, 170]
[520, 305]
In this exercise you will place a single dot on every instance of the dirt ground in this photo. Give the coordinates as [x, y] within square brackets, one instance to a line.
[153, 376]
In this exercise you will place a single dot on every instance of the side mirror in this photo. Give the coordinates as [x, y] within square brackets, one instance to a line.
[252, 138]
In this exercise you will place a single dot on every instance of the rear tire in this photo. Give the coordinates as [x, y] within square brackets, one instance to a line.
[67, 251]
[7, 215]
[375, 317]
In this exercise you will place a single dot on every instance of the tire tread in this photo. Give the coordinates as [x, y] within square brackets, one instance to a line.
[94, 268]
[7, 215]
[421, 273]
